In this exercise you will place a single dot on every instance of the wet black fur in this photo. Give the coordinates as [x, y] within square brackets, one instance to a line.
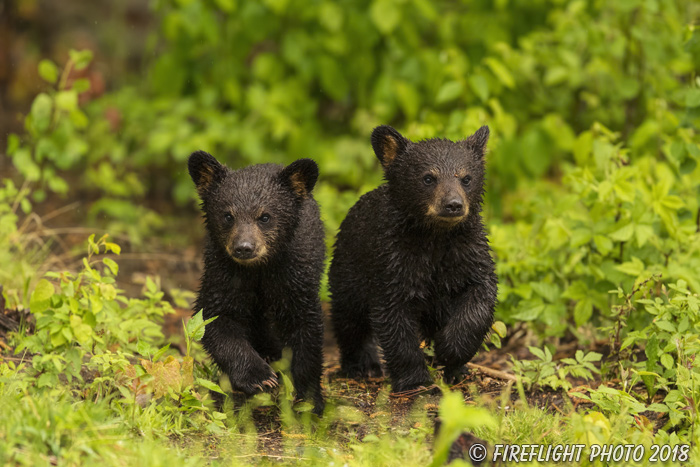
[263, 307]
[400, 276]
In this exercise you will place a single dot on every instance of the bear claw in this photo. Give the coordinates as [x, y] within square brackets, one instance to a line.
[271, 383]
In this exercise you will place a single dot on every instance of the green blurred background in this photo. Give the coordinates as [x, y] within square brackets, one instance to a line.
[593, 108]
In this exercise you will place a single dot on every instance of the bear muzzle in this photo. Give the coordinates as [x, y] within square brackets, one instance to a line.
[246, 249]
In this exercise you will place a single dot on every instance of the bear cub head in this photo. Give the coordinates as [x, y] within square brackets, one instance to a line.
[250, 213]
[437, 181]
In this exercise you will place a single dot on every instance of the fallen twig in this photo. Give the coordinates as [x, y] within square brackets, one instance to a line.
[498, 374]
[415, 392]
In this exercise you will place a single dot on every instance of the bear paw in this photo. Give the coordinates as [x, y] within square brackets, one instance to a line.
[414, 382]
[364, 368]
[455, 375]
[262, 380]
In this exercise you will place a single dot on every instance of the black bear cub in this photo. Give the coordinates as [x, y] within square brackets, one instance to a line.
[263, 262]
[412, 262]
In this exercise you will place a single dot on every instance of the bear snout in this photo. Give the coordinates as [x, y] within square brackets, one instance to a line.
[244, 250]
[452, 208]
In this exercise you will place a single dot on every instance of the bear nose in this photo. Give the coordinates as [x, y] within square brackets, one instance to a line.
[454, 206]
[243, 250]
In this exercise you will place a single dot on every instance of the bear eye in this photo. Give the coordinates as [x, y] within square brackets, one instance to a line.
[467, 180]
[265, 218]
[428, 179]
[228, 217]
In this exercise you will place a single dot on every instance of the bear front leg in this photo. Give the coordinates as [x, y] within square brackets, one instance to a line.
[224, 340]
[469, 321]
[353, 333]
[303, 332]
[307, 363]
[397, 333]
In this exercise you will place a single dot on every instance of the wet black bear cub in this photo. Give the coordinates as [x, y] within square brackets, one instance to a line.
[412, 262]
[263, 262]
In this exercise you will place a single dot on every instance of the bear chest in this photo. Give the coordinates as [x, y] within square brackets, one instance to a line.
[431, 271]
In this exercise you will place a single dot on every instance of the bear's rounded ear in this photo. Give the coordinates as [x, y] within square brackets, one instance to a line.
[387, 144]
[205, 170]
[477, 141]
[300, 176]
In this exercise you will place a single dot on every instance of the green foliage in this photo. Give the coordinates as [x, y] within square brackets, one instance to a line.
[612, 221]
[456, 418]
[543, 372]
[194, 329]
[21, 252]
[662, 356]
[86, 343]
[88, 312]
[273, 81]
[54, 140]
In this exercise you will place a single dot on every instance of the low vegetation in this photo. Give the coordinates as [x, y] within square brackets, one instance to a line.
[593, 211]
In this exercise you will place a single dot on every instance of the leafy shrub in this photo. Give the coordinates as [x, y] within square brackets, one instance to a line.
[613, 221]
[544, 372]
[54, 139]
[93, 343]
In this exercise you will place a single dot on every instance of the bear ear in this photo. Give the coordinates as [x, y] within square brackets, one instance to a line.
[387, 144]
[477, 141]
[300, 176]
[205, 171]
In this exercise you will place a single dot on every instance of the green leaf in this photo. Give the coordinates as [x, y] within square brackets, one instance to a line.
[528, 312]
[672, 202]
[113, 247]
[81, 85]
[83, 333]
[643, 233]
[304, 406]
[67, 100]
[47, 380]
[539, 353]
[603, 244]
[161, 352]
[333, 78]
[633, 268]
[449, 91]
[623, 234]
[592, 357]
[143, 348]
[112, 265]
[40, 299]
[665, 325]
[194, 324]
[549, 292]
[409, 98]
[385, 15]
[501, 72]
[48, 71]
[80, 58]
[692, 97]
[210, 385]
[556, 75]
[108, 291]
[583, 311]
[41, 111]
[499, 328]
[331, 16]
[12, 143]
[667, 361]
[226, 5]
[480, 86]
[652, 348]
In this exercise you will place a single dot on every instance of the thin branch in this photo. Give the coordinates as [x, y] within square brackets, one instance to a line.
[498, 374]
